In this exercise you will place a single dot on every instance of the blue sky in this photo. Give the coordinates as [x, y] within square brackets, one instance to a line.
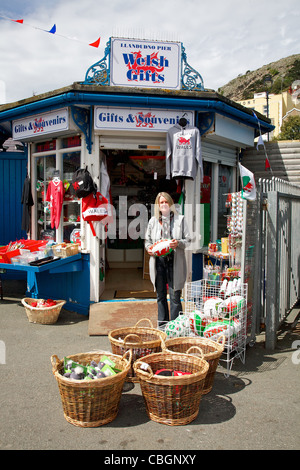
[222, 38]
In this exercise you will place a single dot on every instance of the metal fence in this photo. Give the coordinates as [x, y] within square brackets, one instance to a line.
[276, 286]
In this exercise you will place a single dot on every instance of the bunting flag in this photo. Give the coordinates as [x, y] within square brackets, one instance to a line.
[52, 31]
[248, 184]
[262, 142]
[267, 164]
[96, 43]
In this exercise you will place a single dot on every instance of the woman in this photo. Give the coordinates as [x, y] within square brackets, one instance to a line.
[171, 269]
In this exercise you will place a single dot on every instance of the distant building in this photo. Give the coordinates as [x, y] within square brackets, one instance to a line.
[280, 107]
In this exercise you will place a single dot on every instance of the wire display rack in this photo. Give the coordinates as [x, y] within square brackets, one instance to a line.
[212, 309]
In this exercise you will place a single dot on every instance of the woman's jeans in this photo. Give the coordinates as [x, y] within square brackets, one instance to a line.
[164, 276]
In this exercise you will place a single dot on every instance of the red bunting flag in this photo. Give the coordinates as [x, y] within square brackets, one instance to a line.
[267, 164]
[18, 21]
[96, 43]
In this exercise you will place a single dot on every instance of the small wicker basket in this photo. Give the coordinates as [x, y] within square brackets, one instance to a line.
[45, 316]
[95, 402]
[172, 400]
[142, 341]
[206, 348]
[64, 250]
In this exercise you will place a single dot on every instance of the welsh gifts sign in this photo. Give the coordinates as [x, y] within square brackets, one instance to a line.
[149, 64]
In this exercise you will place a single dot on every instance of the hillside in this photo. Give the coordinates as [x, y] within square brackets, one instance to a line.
[283, 72]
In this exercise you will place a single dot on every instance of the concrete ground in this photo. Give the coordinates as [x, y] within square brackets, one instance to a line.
[256, 407]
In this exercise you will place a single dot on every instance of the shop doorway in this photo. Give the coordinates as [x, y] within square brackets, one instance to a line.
[136, 177]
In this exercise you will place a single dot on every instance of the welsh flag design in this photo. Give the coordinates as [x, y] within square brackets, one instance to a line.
[248, 184]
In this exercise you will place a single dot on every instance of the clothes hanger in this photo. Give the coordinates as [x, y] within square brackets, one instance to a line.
[56, 178]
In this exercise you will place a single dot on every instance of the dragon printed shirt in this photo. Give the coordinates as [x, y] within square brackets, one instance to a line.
[183, 154]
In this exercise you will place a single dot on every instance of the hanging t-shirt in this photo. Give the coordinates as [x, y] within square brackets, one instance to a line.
[55, 195]
[183, 154]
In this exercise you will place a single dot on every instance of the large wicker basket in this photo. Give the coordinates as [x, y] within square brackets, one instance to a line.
[211, 350]
[91, 403]
[171, 400]
[45, 316]
[142, 341]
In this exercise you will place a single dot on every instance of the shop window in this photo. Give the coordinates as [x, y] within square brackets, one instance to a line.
[51, 160]
[71, 205]
[45, 170]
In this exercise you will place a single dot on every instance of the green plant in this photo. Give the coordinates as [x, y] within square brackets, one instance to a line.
[290, 129]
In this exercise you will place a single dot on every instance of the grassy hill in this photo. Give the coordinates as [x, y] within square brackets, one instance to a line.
[283, 72]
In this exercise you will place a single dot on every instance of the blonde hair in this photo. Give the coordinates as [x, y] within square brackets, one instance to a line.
[169, 200]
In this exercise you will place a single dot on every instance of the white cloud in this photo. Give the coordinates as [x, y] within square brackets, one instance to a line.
[222, 39]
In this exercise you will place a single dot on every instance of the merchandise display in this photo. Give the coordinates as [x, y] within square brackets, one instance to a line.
[51, 167]
[106, 367]
[212, 312]
[88, 400]
[41, 303]
[222, 327]
[63, 250]
[172, 398]
[224, 308]
[22, 251]
[45, 312]
[235, 227]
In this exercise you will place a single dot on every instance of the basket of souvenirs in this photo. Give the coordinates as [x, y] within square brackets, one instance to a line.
[142, 341]
[90, 386]
[210, 350]
[172, 386]
[63, 250]
[42, 311]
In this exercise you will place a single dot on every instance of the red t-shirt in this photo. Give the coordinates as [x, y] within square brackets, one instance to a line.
[55, 195]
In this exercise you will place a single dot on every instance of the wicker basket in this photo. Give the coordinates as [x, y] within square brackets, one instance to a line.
[91, 403]
[211, 351]
[142, 341]
[64, 250]
[172, 400]
[45, 316]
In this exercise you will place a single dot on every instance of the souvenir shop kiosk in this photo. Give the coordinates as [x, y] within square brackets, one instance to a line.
[115, 123]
